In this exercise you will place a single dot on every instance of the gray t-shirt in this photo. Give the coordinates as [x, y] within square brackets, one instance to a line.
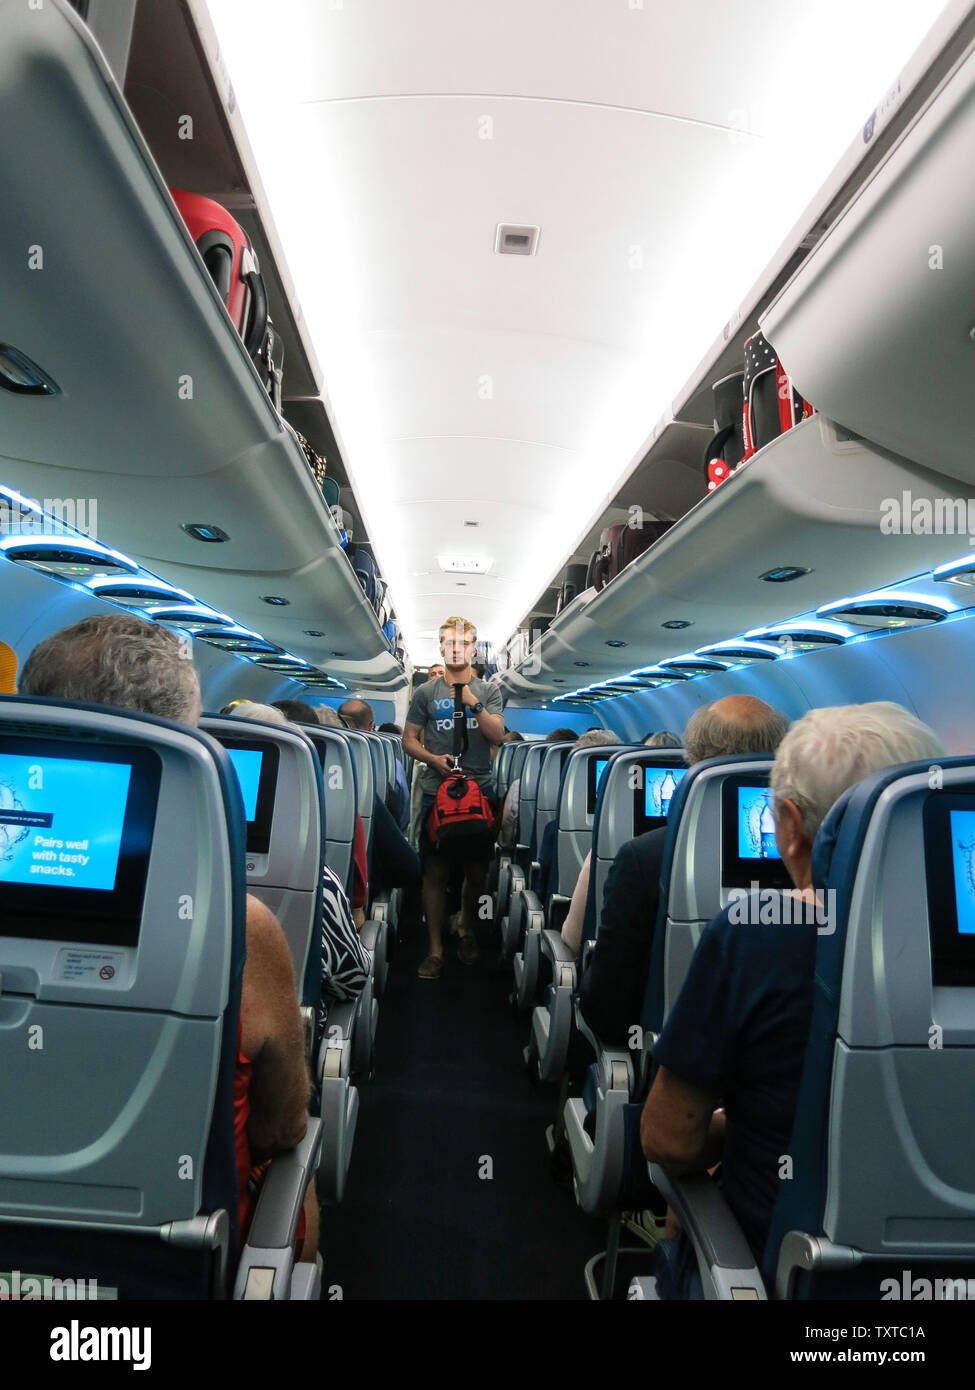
[433, 710]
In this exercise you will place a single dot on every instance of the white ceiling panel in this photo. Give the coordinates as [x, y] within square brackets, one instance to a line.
[663, 150]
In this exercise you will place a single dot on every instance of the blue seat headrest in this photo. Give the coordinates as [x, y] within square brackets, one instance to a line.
[825, 844]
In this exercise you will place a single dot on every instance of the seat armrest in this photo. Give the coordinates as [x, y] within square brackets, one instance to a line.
[369, 934]
[532, 902]
[724, 1257]
[266, 1260]
[560, 955]
[558, 910]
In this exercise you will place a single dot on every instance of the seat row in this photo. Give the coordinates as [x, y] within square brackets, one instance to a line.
[130, 844]
[895, 969]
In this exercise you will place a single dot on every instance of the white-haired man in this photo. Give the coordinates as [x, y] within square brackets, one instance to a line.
[737, 1032]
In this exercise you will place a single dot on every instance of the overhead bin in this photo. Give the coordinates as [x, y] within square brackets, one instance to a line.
[812, 500]
[160, 414]
[878, 326]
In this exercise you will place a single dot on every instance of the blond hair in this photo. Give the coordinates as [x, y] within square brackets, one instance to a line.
[457, 625]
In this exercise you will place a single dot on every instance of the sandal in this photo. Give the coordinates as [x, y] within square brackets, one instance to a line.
[467, 952]
[431, 969]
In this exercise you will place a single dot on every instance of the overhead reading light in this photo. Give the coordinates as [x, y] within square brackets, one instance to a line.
[204, 531]
[21, 374]
[742, 653]
[677, 624]
[195, 617]
[313, 632]
[581, 663]
[614, 642]
[275, 600]
[660, 674]
[960, 572]
[66, 557]
[139, 593]
[802, 636]
[692, 665]
[463, 564]
[784, 574]
[887, 610]
[516, 241]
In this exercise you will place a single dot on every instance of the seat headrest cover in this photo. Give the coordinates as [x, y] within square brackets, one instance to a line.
[825, 844]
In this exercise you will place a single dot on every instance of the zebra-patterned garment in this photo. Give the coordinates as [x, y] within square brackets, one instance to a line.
[345, 961]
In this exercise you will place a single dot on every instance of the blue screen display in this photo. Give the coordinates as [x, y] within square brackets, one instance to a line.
[601, 765]
[660, 783]
[756, 824]
[963, 855]
[247, 765]
[61, 821]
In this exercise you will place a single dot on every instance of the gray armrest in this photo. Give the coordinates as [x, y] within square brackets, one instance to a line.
[532, 902]
[563, 961]
[369, 934]
[724, 1257]
[267, 1258]
[558, 910]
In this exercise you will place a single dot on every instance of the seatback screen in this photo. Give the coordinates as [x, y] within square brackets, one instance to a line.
[949, 857]
[595, 770]
[749, 855]
[256, 766]
[75, 834]
[652, 796]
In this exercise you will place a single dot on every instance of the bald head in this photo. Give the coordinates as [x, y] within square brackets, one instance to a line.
[358, 715]
[736, 724]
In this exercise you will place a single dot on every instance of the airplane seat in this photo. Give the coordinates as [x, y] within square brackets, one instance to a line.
[512, 919]
[578, 795]
[883, 1189]
[510, 874]
[120, 1013]
[702, 863]
[281, 784]
[284, 799]
[375, 931]
[381, 907]
[634, 797]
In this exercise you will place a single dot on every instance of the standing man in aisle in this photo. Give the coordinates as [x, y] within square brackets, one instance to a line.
[431, 718]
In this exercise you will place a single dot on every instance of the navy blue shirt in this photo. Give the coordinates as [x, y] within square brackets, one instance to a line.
[739, 1029]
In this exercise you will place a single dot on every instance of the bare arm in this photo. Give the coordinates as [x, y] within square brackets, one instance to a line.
[416, 750]
[680, 1128]
[272, 1037]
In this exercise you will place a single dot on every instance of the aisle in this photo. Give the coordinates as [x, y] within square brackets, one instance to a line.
[451, 1099]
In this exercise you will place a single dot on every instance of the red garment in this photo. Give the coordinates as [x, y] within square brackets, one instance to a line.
[360, 880]
[249, 1175]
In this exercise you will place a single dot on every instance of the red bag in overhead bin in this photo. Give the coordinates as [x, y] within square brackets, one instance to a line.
[772, 405]
[233, 267]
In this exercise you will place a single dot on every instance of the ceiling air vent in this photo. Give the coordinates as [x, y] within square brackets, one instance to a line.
[516, 241]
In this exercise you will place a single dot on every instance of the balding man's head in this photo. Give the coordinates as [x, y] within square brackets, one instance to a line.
[736, 724]
[358, 715]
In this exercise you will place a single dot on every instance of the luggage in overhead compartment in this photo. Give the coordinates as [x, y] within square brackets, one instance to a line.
[365, 571]
[573, 583]
[636, 539]
[772, 405]
[724, 451]
[233, 267]
[596, 572]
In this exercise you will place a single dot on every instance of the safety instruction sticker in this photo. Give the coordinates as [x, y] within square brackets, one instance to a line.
[90, 967]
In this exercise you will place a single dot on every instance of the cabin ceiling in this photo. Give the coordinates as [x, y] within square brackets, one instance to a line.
[663, 151]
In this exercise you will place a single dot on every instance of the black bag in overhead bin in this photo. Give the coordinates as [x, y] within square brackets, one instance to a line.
[726, 448]
[573, 583]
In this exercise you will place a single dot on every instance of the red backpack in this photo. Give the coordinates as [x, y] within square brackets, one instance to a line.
[461, 818]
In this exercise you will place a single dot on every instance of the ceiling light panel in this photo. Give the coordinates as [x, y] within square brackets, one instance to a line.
[505, 388]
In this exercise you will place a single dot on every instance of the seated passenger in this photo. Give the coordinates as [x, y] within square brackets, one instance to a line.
[611, 997]
[508, 834]
[664, 739]
[356, 714]
[592, 738]
[124, 661]
[251, 709]
[390, 729]
[297, 711]
[736, 1036]
[8, 670]
[328, 716]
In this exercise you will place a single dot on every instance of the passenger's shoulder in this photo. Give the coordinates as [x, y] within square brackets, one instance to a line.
[265, 938]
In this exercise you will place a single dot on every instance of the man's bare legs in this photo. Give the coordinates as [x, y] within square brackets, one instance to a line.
[434, 900]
